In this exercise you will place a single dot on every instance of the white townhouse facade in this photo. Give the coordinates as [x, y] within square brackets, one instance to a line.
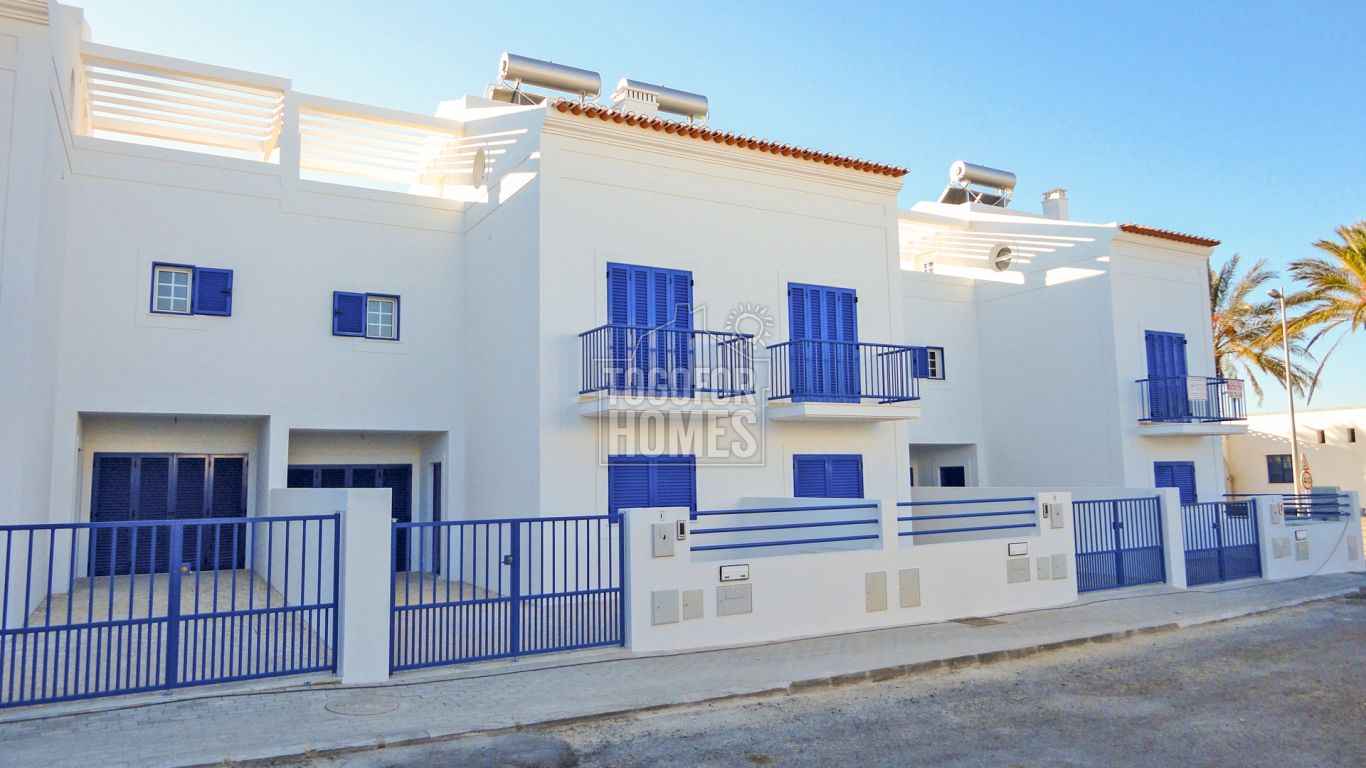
[335, 286]
[1332, 447]
[616, 376]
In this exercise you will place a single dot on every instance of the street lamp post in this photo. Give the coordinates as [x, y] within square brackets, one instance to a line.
[1289, 392]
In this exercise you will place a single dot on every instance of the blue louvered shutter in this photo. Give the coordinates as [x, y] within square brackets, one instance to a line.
[809, 478]
[846, 477]
[675, 482]
[1176, 474]
[920, 362]
[191, 476]
[111, 500]
[301, 477]
[628, 483]
[348, 314]
[212, 291]
[801, 352]
[151, 546]
[1166, 375]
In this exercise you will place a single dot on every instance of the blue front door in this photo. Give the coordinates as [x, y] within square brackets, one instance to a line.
[824, 363]
[1176, 474]
[1167, 376]
[651, 311]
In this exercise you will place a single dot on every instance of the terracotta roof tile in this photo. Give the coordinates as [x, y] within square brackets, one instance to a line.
[722, 137]
[1167, 234]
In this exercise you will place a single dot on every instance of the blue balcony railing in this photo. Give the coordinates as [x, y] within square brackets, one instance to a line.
[1186, 399]
[842, 372]
[672, 362]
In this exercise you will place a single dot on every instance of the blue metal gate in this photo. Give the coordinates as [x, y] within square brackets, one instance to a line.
[1119, 543]
[1221, 542]
[489, 589]
[101, 608]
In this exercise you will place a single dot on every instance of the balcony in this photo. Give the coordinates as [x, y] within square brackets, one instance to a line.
[1191, 405]
[637, 368]
[843, 381]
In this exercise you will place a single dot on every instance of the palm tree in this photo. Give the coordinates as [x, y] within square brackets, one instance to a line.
[1336, 289]
[1247, 328]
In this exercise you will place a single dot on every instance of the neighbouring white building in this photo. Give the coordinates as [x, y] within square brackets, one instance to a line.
[216, 290]
[1332, 446]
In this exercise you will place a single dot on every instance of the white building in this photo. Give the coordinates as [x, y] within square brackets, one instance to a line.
[1332, 448]
[218, 288]
[128, 180]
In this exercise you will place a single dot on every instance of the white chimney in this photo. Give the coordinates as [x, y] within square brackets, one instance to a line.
[1055, 204]
[635, 100]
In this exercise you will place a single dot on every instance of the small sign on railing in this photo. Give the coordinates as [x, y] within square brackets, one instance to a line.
[1195, 388]
[1235, 389]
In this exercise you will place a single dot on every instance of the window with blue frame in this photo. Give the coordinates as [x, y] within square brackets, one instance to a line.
[1279, 468]
[927, 362]
[184, 289]
[366, 315]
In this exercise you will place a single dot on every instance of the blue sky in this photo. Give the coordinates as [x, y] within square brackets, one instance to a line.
[1244, 121]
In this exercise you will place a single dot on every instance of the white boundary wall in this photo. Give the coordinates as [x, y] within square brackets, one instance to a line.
[812, 594]
[1333, 546]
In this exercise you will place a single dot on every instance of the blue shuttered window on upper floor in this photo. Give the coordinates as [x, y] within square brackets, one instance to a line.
[368, 315]
[348, 314]
[824, 358]
[651, 481]
[212, 291]
[827, 475]
[184, 289]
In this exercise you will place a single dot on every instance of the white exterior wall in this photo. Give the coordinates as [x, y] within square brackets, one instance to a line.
[745, 225]
[1162, 289]
[1335, 463]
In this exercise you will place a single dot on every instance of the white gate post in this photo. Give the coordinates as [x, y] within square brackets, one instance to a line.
[363, 606]
[1173, 537]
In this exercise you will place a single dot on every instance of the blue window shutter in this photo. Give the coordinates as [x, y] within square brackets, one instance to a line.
[618, 284]
[628, 483]
[809, 476]
[675, 482]
[1176, 474]
[846, 304]
[846, 477]
[212, 291]
[797, 314]
[920, 362]
[348, 314]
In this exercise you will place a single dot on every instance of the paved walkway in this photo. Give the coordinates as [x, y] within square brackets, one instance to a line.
[209, 726]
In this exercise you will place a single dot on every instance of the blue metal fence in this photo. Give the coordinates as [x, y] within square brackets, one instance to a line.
[635, 359]
[1317, 506]
[1168, 399]
[842, 371]
[489, 589]
[793, 528]
[94, 609]
[1221, 541]
[968, 516]
[1119, 542]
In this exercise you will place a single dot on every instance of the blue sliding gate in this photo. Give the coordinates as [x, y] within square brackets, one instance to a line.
[101, 608]
[490, 589]
[1221, 542]
[1119, 543]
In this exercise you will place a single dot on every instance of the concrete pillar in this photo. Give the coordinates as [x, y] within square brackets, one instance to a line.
[363, 605]
[1173, 537]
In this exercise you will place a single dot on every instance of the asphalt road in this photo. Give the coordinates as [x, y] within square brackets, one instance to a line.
[1283, 689]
